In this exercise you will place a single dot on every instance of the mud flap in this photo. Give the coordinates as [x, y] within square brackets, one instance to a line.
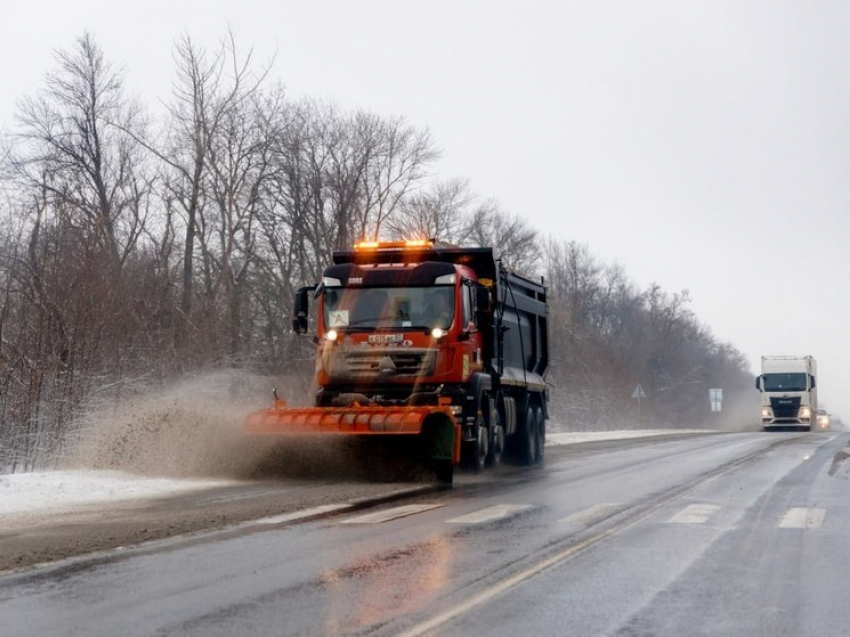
[441, 438]
[441, 445]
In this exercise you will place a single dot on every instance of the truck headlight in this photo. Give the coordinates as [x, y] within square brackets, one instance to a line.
[805, 412]
[766, 412]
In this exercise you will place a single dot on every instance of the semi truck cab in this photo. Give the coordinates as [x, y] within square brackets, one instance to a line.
[788, 386]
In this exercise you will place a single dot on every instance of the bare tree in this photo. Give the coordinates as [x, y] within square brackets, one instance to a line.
[440, 211]
[398, 157]
[72, 146]
[515, 239]
[207, 90]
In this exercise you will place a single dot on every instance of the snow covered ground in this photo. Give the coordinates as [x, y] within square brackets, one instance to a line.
[52, 490]
[63, 490]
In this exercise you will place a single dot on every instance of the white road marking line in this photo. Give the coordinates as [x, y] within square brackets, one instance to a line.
[298, 515]
[491, 593]
[391, 514]
[590, 513]
[489, 514]
[803, 518]
[694, 514]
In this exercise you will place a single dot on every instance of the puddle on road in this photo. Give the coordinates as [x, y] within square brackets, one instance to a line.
[380, 588]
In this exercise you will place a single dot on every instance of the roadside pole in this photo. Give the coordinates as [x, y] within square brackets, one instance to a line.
[638, 393]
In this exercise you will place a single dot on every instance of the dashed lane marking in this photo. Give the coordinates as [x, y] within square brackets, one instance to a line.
[590, 514]
[299, 515]
[694, 514]
[803, 518]
[489, 514]
[391, 514]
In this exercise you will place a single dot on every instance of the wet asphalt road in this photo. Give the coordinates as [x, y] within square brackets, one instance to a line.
[719, 534]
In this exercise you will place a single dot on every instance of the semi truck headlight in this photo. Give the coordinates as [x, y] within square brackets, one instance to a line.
[766, 412]
[331, 335]
[805, 412]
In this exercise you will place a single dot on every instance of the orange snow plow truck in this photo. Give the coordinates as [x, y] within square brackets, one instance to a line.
[432, 344]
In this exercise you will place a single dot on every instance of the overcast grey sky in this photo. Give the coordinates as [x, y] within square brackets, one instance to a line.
[702, 145]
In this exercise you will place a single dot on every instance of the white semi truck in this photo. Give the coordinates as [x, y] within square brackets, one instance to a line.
[789, 395]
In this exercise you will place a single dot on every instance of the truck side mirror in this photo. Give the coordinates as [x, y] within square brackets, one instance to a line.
[758, 383]
[482, 305]
[300, 307]
[813, 380]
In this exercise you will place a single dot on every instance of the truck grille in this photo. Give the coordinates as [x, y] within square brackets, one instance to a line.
[785, 407]
[373, 363]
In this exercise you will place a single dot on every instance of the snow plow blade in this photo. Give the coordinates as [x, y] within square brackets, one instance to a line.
[439, 434]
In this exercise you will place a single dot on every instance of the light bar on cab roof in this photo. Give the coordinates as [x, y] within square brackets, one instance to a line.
[394, 245]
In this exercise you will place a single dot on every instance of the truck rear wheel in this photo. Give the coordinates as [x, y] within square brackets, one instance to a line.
[527, 443]
[540, 435]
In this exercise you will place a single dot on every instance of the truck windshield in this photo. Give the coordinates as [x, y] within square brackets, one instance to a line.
[395, 307]
[785, 382]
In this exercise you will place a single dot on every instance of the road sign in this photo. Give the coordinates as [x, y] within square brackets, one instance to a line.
[716, 398]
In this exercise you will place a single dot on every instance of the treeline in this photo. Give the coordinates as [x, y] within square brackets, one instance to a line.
[134, 249]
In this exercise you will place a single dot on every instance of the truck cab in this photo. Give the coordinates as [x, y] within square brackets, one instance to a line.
[394, 326]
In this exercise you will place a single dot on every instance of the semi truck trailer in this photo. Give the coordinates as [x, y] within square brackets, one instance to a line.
[438, 345]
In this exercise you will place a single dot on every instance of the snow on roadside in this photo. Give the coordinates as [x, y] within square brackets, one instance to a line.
[575, 437]
[64, 490]
[55, 490]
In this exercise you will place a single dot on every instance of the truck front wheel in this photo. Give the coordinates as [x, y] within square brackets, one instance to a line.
[540, 434]
[444, 470]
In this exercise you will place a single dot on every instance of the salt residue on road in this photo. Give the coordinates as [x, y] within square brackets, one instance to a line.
[65, 490]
